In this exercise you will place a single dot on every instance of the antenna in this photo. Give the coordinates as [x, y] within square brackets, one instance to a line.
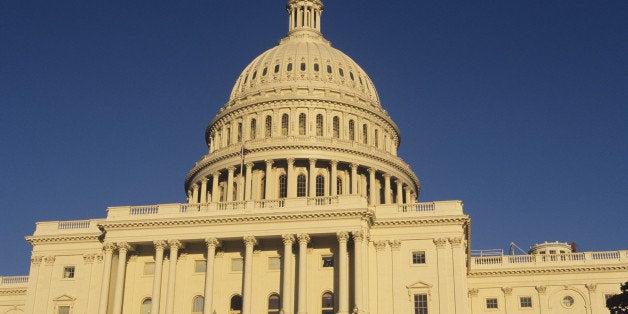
[512, 249]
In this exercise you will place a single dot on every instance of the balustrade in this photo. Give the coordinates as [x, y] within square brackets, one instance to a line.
[75, 224]
[144, 210]
[13, 280]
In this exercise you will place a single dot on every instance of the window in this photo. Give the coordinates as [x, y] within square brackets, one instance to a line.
[253, 127]
[420, 304]
[328, 261]
[289, 67]
[239, 132]
[254, 76]
[327, 306]
[302, 66]
[284, 124]
[339, 186]
[329, 69]
[351, 130]
[320, 185]
[365, 134]
[146, 306]
[200, 266]
[301, 191]
[228, 136]
[319, 125]
[316, 67]
[568, 301]
[274, 263]
[264, 71]
[273, 304]
[302, 123]
[341, 72]
[198, 304]
[418, 257]
[277, 68]
[269, 126]
[236, 303]
[68, 272]
[525, 302]
[64, 310]
[149, 268]
[237, 264]
[283, 186]
[336, 126]
[376, 138]
[491, 303]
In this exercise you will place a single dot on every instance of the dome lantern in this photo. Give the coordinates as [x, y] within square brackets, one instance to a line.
[304, 15]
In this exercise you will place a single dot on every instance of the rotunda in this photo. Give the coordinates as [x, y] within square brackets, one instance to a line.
[303, 120]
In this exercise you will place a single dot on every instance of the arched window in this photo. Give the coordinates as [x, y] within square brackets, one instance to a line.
[273, 304]
[302, 123]
[365, 134]
[301, 184]
[339, 185]
[253, 129]
[198, 304]
[284, 124]
[319, 125]
[283, 186]
[320, 185]
[351, 130]
[327, 306]
[269, 127]
[146, 306]
[376, 138]
[236, 304]
[336, 123]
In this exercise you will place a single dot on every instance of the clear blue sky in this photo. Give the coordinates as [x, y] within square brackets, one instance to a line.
[517, 108]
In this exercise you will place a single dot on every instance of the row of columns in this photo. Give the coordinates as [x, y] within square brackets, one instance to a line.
[199, 191]
[360, 240]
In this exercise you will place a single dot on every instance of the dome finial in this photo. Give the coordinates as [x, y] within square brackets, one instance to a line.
[304, 14]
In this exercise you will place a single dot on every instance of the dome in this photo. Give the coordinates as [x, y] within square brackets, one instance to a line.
[304, 58]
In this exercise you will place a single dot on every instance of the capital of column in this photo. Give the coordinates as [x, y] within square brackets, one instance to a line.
[353, 165]
[507, 290]
[312, 161]
[591, 287]
[250, 240]
[160, 245]
[541, 289]
[303, 237]
[371, 170]
[440, 243]
[358, 235]
[123, 246]
[49, 260]
[473, 292]
[212, 242]
[287, 239]
[36, 260]
[290, 161]
[175, 244]
[216, 174]
[195, 187]
[387, 175]
[333, 162]
[380, 245]
[249, 165]
[343, 236]
[231, 169]
[204, 180]
[269, 162]
[395, 245]
[456, 242]
[108, 247]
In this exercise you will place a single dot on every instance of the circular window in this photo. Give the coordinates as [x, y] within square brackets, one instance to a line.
[568, 301]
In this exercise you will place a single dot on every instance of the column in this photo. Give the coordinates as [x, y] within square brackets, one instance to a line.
[304, 239]
[123, 248]
[106, 276]
[354, 179]
[366, 281]
[33, 275]
[458, 259]
[292, 179]
[189, 196]
[312, 177]
[268, 184]
[334, 177]
[593, 298]
[247, 291]
[248, 180]
[507, 292]
[172, 273]
[159, 261]
[542, 297]
[194, 194]
[204, 191]
[343, 273]
[408, 196]
[215, 194]
[395, 245]
[229, 189]
[240, 180]
[387, 194]
[399, 192]
[473, 293]
[372, 187]
[384, 304]
[445, 298]
[287, 291]
[358, 239]
[208, 307]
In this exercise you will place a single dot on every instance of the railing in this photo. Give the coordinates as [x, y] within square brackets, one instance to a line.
[417, 207]
[605, 255]
[487, 260]
[144, 210]
[12, 280]
[270, 203]
[322, 200]
[549, 259]
[184, 208]
[75, 224]
[231, 205]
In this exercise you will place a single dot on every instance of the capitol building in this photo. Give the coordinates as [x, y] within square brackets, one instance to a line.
[301, 205]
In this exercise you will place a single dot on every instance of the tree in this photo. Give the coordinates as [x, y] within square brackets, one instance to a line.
[618, 304]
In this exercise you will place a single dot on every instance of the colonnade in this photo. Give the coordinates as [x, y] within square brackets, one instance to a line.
[224, 181]
[302, 240]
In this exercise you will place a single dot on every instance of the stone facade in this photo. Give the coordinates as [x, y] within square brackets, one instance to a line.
[301, 205]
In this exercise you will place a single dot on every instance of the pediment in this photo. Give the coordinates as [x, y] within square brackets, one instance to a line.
[64, 298]
[419, 285]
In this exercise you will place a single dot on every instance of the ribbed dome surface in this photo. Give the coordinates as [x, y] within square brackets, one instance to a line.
[304, 58]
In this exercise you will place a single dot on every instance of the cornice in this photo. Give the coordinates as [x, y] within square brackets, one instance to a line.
[548, 270]
[63, 238]
[237, 218]
[454, 220]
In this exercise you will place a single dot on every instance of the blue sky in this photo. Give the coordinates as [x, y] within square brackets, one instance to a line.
[517, 108]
